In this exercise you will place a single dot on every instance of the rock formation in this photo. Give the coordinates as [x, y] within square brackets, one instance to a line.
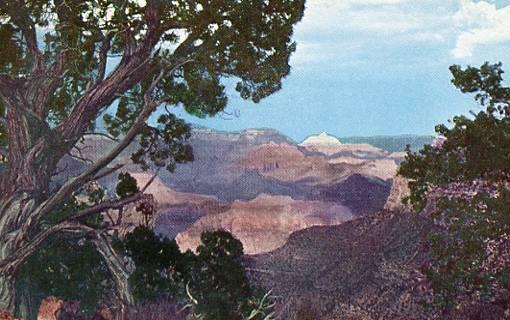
[49, 308]
[399, 190]
[361, 270]
[264, 224]
[5, 315]
[235, 168]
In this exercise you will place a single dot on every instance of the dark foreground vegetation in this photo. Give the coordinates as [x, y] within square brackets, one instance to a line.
[56, 87]
[210, 284]
[463, 181]
[71, 69]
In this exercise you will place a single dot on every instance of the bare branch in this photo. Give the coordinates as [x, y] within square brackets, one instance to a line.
[103, 57]
[13, 262]
[105, 206]
[101, 134]
[80, 157]
[110, 217]
[108, 171]
[151, 180]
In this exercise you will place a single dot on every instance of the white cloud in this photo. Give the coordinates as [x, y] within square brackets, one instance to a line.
[482, 24]
[336, 15]
[333, 30]
[341, 30]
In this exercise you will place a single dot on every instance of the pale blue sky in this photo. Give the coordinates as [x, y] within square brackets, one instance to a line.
[377, 67]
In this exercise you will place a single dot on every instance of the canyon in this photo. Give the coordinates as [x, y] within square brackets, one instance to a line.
[257, 184]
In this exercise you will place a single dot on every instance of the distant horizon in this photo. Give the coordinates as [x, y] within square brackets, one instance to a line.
[392, 143]
[382, 71]
[403, 135]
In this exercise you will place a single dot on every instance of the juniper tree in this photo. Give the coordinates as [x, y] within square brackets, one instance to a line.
[467, 176]
[63, 63]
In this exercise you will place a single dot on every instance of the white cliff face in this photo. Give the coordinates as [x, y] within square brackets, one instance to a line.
[321, 139]
[330, 145]
[322, 143]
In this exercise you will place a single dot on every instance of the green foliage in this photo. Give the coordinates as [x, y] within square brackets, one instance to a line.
[471, 167]
[212, 281]
[156, 260]
[165, 145]
[467, 260]
[474, 148]
[126, 186]
[66, 268]
[206, 45]
[72, 206]
[201, 45]
[217, 280]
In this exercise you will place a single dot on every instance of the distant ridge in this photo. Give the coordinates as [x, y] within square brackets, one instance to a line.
[392, 143]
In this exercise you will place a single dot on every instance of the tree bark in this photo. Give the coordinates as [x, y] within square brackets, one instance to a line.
[13, 210]
[34, 150]
[118, 270]
[7, 292]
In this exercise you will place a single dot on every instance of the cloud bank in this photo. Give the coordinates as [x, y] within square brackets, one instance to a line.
[483, 25]
[348, 29]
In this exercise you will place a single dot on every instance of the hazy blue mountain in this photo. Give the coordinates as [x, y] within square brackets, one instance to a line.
[395, 143]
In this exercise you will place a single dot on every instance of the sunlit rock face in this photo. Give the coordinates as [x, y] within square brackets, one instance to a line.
[265, 223]
[399, 191]
[361, 269]
[288, 163]
[325, 181]
[176, 210]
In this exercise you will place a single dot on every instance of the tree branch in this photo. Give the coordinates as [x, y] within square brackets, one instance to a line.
[151, 180]
[70, 186]
[27, 27]
[130, 71]
[12, 263]
[40, 88]
[105, 206]
[11, 93]
[115, 266]
[108, 171]
[101, 134]
[74, 222]
[80, 157]
[103, 57]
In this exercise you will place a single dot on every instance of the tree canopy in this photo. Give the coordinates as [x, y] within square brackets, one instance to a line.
[465, 174]
[72, 68]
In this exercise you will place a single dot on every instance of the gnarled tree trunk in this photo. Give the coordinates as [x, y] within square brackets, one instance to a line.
[13, 213]
[7, 292]
[118, 270]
